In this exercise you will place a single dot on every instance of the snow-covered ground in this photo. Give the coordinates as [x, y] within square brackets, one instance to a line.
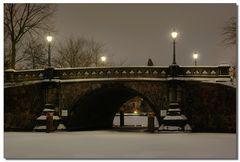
[117, 144]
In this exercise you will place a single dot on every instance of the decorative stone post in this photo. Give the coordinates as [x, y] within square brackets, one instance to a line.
[223, 69]
[49, 122]
[151, 122]
[9, 75]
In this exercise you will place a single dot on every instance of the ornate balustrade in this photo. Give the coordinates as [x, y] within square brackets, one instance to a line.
[112, 72]
[23, 75]
[115, 72]
[204, 71]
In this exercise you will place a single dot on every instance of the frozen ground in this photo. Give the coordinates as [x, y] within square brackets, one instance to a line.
[116, 144]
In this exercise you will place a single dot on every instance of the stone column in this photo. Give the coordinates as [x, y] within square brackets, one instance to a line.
[173, 93]
[49, 122]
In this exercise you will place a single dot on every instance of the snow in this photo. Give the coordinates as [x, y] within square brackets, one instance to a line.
[223, 81]
[29, 70]
[175, 117]
[162, 127]
[48, 110]
[17, 84]
[111, 79]
[9, 70]
[43, 117]
[61, 127]
[215, 80]
[115, 144]
[174, 109]
[42, 127]
[134, 121]
[204, 66]
[187, 127]
[113, 67]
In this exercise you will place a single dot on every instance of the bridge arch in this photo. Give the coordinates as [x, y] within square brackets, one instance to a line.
[96, 109]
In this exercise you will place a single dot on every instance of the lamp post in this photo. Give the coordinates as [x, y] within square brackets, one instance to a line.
[174, 35]
[195, 57]
[49, 39]
[103, 59]
[49, 75]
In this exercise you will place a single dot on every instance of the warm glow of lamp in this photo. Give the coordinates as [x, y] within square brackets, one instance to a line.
[195, 56]
[103, 58]
[49, 38]
[174, 35]
[135, 112]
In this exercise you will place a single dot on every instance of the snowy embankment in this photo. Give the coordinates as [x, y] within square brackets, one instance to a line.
[113, 144]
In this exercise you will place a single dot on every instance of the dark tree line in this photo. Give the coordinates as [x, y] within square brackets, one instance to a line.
[78, 52]
[25, 29]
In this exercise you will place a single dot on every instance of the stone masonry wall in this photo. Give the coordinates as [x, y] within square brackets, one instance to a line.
[22, 105]
[210, 107]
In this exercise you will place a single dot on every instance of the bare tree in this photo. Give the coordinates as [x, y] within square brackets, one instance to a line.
[78, 52]
[230, 33]
[7, 54]
[25, 19]
[35, 54]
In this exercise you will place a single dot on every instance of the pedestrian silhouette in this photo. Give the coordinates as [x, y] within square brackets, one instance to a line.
[150, 63]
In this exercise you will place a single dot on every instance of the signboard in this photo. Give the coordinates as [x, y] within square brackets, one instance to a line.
[64, 113]
[163, 113]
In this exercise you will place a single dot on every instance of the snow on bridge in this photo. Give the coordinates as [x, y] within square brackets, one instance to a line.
[214, 74]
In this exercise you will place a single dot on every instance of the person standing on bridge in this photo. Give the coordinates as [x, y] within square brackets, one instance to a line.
[150, 63]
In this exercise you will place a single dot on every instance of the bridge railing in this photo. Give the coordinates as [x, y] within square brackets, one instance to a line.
[115, 72]
[23, 75]
[204, 71]
[112, 72]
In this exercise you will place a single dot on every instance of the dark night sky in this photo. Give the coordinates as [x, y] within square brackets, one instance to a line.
[136, 32]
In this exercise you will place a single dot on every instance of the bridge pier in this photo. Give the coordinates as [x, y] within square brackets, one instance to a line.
[174, 90]
[173, 94]
[53, 94]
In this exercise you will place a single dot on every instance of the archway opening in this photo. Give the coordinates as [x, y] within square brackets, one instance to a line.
[133, 115]
[97, 109]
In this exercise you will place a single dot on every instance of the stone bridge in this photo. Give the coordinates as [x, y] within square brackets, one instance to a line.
[92, 96]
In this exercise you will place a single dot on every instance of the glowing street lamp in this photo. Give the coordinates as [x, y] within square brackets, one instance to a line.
[103, 58]
[49, 40]
[195, 57]
[174, 35]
